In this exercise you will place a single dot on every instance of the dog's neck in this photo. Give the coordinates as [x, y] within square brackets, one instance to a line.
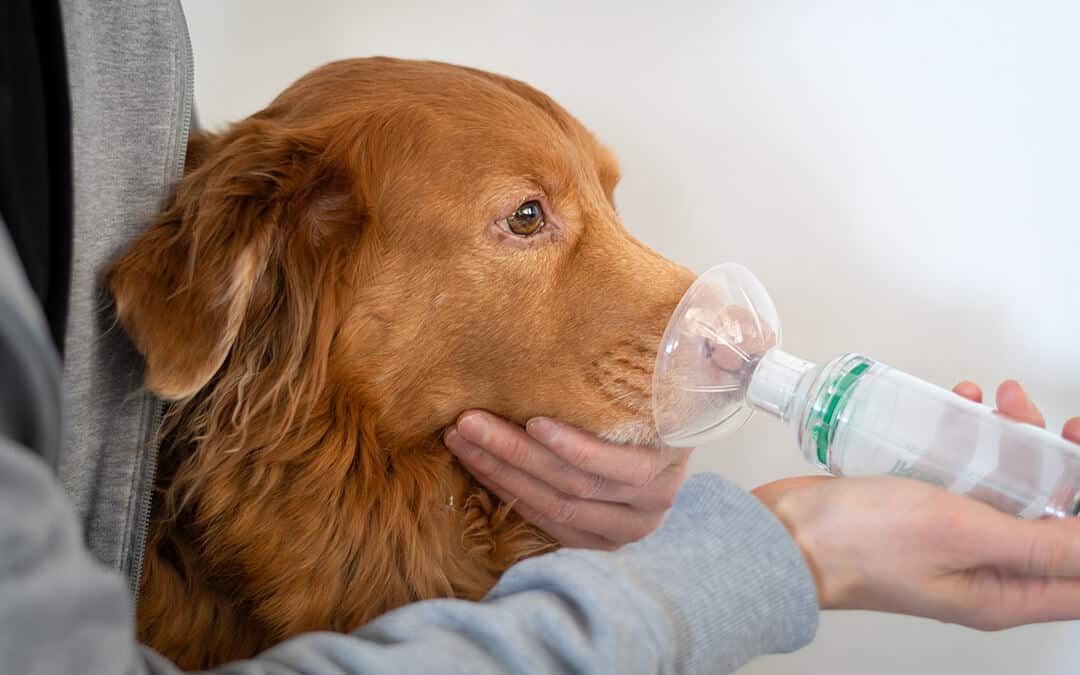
[329, 504]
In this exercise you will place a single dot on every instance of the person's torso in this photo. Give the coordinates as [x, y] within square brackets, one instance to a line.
[131, 78]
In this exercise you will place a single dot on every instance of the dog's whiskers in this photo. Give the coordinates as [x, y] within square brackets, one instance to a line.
[628, 397]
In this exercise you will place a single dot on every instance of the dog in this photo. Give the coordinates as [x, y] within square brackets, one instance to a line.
[334, 280]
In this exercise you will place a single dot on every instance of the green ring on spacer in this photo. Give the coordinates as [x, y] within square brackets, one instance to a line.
[822, 426]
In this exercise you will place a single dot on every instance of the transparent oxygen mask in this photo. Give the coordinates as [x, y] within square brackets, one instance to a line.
[723, 326]
[720, 360]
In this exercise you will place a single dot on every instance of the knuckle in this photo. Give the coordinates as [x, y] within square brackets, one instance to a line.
[563, 510]
[1044, 557]
[665, 499]
[530, 514]
[514, 450]
[491, 467]
[987, 622]
[643, 529]
[578, 455]
[591, 486]
[645, 472]
[981, 619]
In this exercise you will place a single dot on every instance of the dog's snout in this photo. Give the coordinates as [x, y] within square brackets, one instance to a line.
[707, 347]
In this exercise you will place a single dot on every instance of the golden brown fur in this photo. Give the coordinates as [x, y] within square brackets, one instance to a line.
[330, 286]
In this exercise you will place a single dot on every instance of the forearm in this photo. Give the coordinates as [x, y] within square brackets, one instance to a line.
[717, 585]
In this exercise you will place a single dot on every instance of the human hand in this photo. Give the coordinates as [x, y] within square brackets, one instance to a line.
[581, 490]
[902, 546]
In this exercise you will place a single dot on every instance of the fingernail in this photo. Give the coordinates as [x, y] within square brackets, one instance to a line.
[542, 429]
[474, 427]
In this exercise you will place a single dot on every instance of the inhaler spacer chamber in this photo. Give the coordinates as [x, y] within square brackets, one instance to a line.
[720, 361]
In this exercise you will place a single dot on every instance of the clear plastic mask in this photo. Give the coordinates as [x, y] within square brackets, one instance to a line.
[720, 330]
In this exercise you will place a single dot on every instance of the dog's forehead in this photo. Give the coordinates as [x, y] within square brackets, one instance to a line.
[445, 98]
[442, 124]
[502, 111]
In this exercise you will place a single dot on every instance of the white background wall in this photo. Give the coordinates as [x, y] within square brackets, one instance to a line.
[903, 176]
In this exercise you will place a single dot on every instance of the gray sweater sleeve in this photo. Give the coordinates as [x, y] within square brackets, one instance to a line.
[718, 584]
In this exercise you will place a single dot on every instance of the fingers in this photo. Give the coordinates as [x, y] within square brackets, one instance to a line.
[969, 390]
[993, 599]
[547, 507]
[1013, 401]
[509, 443]
[1042, 548]
[1036, 599]
[632, 465]
[580, 489]
[1071, 430]
[513, 446]
[565, 534]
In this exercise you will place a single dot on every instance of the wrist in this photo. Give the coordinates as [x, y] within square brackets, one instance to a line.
[804, 519]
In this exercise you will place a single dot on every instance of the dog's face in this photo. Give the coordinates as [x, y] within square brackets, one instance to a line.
[425, 237]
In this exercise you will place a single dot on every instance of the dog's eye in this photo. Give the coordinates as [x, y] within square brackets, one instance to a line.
[526, 220]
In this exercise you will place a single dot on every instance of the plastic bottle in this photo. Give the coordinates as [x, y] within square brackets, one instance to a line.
[720, 360]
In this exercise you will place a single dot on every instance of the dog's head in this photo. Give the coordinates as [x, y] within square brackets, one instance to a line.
[419, 237]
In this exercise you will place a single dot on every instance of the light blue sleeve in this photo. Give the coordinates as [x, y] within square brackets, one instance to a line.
[719, 584]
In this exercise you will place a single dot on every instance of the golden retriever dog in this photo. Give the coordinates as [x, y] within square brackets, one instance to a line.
[335, 279]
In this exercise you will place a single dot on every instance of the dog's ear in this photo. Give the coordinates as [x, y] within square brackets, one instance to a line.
[184, 287]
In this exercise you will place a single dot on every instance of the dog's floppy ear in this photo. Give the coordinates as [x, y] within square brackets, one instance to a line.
[183, 288]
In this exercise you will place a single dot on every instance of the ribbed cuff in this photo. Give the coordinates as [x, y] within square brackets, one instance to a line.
[730, 575]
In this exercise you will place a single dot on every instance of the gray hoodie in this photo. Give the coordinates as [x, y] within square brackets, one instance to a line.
[718, 584]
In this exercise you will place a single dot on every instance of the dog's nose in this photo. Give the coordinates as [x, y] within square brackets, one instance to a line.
[732, 338]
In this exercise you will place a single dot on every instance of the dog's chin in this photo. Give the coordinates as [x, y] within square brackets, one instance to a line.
[642, 434]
